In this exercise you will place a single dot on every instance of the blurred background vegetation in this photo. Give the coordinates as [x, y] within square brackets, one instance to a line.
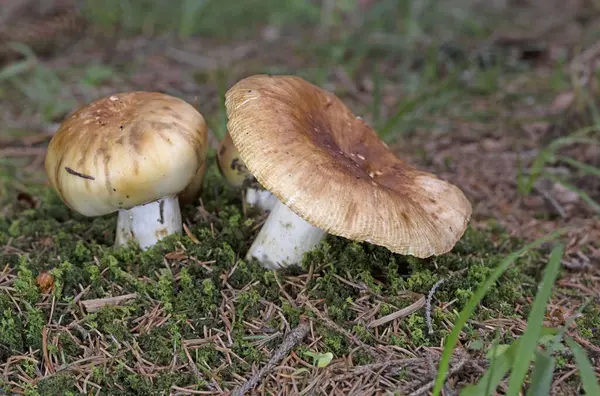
[418, 44]
[476, 68]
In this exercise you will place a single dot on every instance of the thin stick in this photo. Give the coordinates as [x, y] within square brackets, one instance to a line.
[399, 314]
[425, 388]
[95, 304]
[334, 326]
[290, 341]
[368, 368]
[45, 354]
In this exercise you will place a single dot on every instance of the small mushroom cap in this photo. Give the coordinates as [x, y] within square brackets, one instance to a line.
[307, 148]
[231, 165]
[126, 150]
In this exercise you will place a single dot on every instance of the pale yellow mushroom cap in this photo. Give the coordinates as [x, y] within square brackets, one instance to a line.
[329, 167]
[230, 164]
[126, 150]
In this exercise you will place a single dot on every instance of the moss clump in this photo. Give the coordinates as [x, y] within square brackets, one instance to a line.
[199, 302]
[59, 384]
[588, 325]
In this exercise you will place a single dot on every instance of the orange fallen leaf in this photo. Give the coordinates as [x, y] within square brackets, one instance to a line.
[45, 282]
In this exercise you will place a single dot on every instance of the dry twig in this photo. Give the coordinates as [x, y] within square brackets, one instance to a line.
[387, 365]
[399, 314]
[290, 341]
[425, 388]
[96, 304]
[332, 325]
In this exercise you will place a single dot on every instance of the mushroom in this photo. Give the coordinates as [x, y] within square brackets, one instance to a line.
[234, 171]
[192, 192]
[333, 175]
[132, 152]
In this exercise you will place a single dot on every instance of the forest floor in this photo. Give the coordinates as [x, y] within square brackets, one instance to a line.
[508, 118]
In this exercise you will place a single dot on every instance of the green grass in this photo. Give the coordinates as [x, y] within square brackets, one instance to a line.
[578, 127]
[223, 19]
[550, 156]
[516, 358]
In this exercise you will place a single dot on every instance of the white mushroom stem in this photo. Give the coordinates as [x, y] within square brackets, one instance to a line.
[263, 199]
[284, 238]
[147, 224]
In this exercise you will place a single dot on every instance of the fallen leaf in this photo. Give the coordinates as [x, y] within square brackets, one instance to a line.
[45, 282]
[322, 359]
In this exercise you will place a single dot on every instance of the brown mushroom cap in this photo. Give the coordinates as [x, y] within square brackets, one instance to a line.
[307, 148]
[126, 150]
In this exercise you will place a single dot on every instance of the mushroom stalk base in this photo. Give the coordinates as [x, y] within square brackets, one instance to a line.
[261, 198]
[284, 238]
[147, 224]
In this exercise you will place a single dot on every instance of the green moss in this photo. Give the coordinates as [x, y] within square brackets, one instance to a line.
[588, 325]
[159, 344]
[68, 346]
[112, 320]
[292, 313]
[11, 328]
[334, 342]
[33, 327]
[249, 353]
[182, 283]
[59, 384]
[206, 356]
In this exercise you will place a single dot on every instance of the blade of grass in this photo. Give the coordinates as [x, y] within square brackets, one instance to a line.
[23, 49]
[472, 304]
[535, 321]
[565, 141]
[522, 180]
[376, 96]
[410, 104]
[582, 194]
[189, 13]
[541, 378]
[490, 383]
[16, 69]
[589, 169]
[586, 370]
[536, 170]
[547, 155]
[499, 366]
